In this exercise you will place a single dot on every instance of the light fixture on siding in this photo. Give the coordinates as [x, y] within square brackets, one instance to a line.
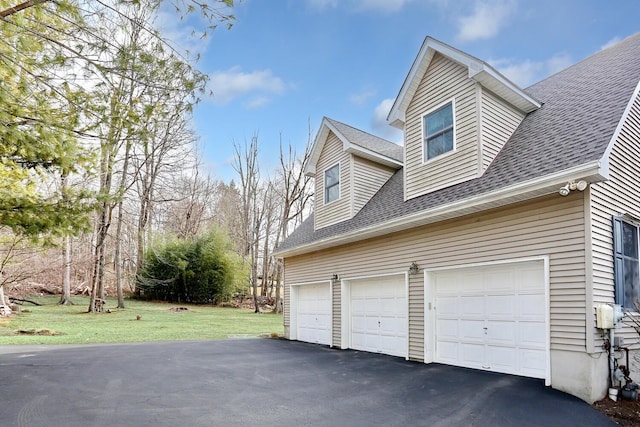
[414, 268]
[335, 277]
[564, 190]
[572, 186]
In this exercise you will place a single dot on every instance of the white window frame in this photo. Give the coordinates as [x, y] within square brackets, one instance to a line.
[451, 101]
[619, 290]
[324, 183]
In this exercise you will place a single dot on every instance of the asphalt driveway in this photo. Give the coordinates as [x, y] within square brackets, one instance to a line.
[264, 382]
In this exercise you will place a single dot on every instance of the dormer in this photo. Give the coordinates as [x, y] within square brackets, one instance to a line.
[457, 112]
[349, 167]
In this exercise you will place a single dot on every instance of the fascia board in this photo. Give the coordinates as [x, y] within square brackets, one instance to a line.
[604, 161]
[373, 156]
[515, 193]
[316, 148]
[352, 148]
[397, 116]
[496, 82]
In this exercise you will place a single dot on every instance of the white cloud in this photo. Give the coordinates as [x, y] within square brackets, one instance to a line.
[380, 125]
[488, 17]
[323, 4]
[361, 98]
[611, 43]
[382, 5]
[181, 35]
[258, 102]
[527, 72]
[233, 83]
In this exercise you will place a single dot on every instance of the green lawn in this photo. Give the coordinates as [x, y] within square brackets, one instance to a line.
[72, 325]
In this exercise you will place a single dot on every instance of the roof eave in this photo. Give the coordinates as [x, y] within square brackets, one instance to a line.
[591, 172]
[373, 156]
[501, 86]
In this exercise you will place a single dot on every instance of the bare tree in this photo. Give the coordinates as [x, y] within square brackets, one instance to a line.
[246, 165]
[294, 194]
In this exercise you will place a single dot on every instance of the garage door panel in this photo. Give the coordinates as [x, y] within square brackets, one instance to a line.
[532, 306]
[502, 333]
[378, 313]
[392, 326]
[471, 330]
[447, 329]
[314, 313]
[448, 352]
[533, 363]
[470, 282]
[472, 355]
[448, 306]
[503, 359]
[500, 281]
[530, 278]
[493, 317]
[471, 305]
[501, 305]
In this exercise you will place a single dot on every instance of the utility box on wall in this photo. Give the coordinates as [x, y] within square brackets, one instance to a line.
[604, 317]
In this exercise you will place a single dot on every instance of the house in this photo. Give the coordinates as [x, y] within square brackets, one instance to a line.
[487, 240]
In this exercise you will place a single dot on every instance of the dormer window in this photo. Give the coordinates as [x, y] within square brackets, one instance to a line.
[438, 131]
[332, 184]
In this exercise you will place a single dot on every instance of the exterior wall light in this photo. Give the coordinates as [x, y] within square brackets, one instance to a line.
[572, 186]
[414, 268]
[335, 277]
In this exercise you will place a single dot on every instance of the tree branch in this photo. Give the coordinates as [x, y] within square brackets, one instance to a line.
[15, 9]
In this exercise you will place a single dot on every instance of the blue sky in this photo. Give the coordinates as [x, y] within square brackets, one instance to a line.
[287, 63]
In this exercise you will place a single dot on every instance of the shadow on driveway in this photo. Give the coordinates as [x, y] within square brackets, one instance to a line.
[264, 382]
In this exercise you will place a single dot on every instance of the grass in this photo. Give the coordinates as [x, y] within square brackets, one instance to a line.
[73, 325]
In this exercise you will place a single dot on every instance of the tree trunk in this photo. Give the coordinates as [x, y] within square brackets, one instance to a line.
[65, 298]
[119, 219]
[277, 279]
[2, 299]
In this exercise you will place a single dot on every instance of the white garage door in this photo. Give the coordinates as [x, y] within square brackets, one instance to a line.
[314, 313]
[379, 315]
[493, 318]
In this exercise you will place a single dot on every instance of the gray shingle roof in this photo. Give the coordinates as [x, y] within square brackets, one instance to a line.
[368, 141]
[582, 106]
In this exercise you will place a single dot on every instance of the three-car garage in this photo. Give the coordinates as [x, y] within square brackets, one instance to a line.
[491, 316]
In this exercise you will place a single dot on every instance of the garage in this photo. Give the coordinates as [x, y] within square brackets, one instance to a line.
[492, 317]
[313, 312]
[378, 315]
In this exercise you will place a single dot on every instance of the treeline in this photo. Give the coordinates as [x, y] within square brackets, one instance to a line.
[98, 161]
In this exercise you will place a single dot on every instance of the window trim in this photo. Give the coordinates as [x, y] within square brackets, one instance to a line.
[324, 183]
[618, 256]
[451, 101]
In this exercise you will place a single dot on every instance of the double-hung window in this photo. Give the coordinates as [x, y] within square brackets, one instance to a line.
[332, 184]
[626, 265]
[438, 132]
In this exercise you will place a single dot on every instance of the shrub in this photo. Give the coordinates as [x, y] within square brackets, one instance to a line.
[199, 271]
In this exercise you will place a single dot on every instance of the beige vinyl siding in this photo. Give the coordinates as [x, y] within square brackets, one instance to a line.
[416, 322]
[444, 80]
[620, 194]
[552, 226]
[499, 121]
[338, 210]
[368, 177]
[335, 320]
